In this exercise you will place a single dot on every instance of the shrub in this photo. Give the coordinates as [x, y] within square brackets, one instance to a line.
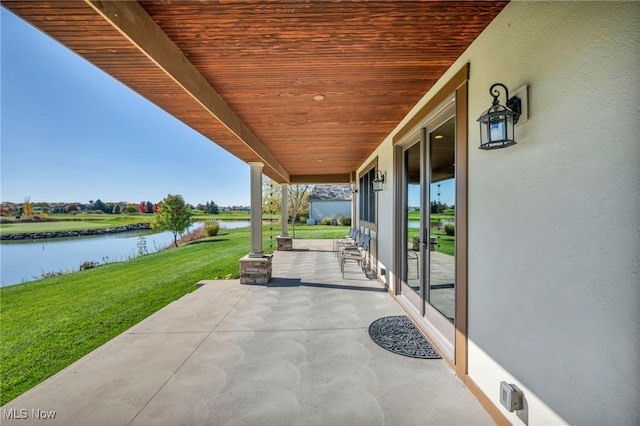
[89, 265]
[192, 235]
[51, 274]
[211, 228]
[449, 229]
[344, 220]
[129, 208]
[326, 220]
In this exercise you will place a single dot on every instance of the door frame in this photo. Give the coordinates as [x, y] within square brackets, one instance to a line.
[458, 86]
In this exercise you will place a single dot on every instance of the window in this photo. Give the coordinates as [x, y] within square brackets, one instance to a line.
[367, 197]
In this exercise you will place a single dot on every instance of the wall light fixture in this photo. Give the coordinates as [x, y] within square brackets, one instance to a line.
[378, 181]
[496, 123]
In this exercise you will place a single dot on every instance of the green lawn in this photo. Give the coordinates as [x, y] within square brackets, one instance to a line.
[82, 221]
[79, 222]
[315, 231]
[415, 215]
[224, 215]
[445, 243]
[46, 325]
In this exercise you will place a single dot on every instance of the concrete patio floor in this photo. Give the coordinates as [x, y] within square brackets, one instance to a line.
[293, 352]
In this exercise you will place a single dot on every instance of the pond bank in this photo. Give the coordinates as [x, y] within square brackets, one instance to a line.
[67, 234]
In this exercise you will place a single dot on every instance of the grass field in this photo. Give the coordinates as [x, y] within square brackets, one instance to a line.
[415, 215]
[445, 243]
[81, 221]
[224, 215]
[65, 222]
[46, 325]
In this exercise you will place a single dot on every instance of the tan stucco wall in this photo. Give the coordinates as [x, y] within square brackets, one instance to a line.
[554, 228]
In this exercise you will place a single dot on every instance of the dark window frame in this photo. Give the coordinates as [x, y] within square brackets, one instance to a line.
[367, 200]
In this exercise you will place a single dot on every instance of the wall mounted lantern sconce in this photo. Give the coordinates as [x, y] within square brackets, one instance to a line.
[378, 181]
[496, 123]
[354, 188]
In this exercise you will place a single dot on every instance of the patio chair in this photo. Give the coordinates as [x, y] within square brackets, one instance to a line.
[345, 238]
[349, 240]
[354, 244]
[358, 254]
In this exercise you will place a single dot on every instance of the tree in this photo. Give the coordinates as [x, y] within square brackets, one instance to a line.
[212, 208]
[298, 195]
[57, 209]
[271, 196]
[437, 207]
[142, 207]
[149, 207]
[173, 215]
[28, 206]
[99, 205]
[116, 209]
[129, 208]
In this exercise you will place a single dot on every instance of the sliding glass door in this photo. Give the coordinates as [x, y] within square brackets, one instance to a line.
[412, 188]
[428, 194]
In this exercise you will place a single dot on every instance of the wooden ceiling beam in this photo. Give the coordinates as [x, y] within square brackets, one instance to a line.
[134, 23]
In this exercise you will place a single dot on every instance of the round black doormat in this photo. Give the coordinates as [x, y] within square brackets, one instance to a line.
[398, 334]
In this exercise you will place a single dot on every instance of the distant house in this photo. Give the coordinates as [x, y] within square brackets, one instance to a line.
[329, 201]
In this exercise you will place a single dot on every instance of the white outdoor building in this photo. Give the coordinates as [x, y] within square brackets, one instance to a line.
[329, 201]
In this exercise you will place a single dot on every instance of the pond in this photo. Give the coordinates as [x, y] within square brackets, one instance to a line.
[22, 261]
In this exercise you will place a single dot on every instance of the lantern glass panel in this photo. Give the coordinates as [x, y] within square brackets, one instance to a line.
[498, 128]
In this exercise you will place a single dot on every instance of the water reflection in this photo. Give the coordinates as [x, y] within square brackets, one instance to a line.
[23, 261]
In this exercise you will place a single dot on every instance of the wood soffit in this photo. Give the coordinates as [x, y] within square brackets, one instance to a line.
[245, 73]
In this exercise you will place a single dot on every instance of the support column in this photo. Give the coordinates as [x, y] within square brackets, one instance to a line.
[255, 268]
[284, 216]
[256, 210]
[285, 242]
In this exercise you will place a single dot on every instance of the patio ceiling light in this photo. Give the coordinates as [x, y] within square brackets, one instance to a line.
[378, 181]
[496, 123]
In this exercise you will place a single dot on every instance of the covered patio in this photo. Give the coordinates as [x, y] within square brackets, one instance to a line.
[359, 93]
[295, 351]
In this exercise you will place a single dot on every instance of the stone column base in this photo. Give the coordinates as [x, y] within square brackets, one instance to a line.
[255, 270]
[284, 243]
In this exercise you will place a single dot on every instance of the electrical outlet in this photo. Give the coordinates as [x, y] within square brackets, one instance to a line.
[510, 397]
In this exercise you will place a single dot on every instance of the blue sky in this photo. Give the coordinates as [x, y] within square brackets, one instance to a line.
[69, 132]
[447, 191]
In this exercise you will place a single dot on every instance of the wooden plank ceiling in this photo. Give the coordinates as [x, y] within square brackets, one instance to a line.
[245, 73]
